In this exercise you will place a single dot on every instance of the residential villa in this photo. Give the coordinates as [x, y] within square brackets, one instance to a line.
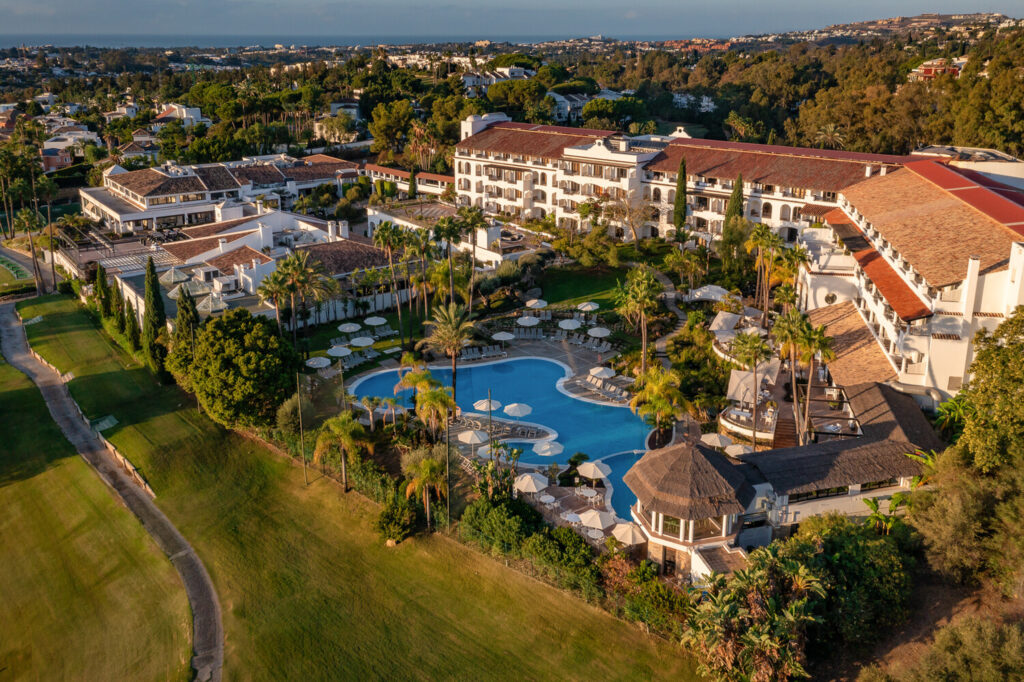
[189, 116]
[526, 171]
[701, 510]
[477, 82]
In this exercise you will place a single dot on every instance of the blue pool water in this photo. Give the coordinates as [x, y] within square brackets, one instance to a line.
[597, 430]
[622, 497]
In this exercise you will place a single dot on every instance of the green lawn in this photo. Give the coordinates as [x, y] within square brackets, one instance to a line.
[11, 272]
[574, 284]
[86, 594]
[307, 589]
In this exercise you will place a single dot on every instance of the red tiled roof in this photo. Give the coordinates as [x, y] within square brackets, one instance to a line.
[244, 255]
[190, 248]
[769, 164]
[1002, 203]
[898, 294]
[530, 139]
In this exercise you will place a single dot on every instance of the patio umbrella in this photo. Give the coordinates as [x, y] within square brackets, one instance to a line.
[599, 332]
[318, 362]
[602, 372]
[738, 449]
[473, 437]
[593, 470]
[628, 534]
[339, 351]
[518, 409]
[503, 336]
[753, 330]
[362, 341]
[536, 303]
[594, 518]
[569, 324]
[486, 405]
[375, 321]
[588, 307]
[527, 321]
[716, 440]
[531, 483]
[548, 448]
[349, 327]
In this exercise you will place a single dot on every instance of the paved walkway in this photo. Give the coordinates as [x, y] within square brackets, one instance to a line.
[207, 630]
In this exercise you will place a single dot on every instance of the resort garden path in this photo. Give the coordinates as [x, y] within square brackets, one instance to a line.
[207, 630]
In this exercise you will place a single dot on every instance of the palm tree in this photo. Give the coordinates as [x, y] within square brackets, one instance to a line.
[790, 330]
[391, 237]
[758, 241]
[449, 328]
[951, 416]
[659, 397]
[785, 295]
[636, 300]
[432, 406]
[929, 461]
[370, 404]
[342, 432]
[830, 136]
[274, 289]
[751, 350]
[306, 279]
[471, 219]
[429, 475]
[449, 231]
[815, 343]
[421, 247]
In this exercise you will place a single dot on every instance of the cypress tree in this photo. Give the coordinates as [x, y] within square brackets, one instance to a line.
[117, 308]
[679, 209]
[412, 185]
[154, 320]
[131, 330]
[734, 209]
[102, 291]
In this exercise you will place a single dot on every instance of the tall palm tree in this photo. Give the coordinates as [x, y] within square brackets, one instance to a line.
[342, 432]
[421, 247]
[636, 300]
[274, 289]
[471, 219]
[306, 279]
[758, 241]
[785, 295]
[449, 231]
[433, 406]
[370, 404]
[449, 328]
[751, 350]
[815, 343]
[790, 330]
[659, 397]
[391, 237]
[429, 475]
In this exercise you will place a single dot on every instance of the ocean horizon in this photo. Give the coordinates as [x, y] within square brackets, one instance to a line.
[124, 40]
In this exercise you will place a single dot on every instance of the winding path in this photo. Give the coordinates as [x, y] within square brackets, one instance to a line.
[207, 630]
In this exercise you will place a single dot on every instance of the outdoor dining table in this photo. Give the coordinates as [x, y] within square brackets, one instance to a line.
[546, 499]
[588, 492]
[570, 517]
[595, 534]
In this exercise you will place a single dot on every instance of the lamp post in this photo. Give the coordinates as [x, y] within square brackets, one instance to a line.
[447, 468]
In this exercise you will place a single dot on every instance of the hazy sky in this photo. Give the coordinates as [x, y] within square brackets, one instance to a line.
[478, 18]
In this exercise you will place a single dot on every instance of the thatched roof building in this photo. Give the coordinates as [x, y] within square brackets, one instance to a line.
[689, 481]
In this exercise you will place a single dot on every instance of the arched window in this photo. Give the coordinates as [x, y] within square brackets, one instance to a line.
[544, 178]
[766, 211]
[654, 232]
[784, 212]
[671, 195]
[657, 194]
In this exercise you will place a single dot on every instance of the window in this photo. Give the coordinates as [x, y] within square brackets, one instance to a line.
[817, 494]
[670, 526]
[160, 201]
[875, 485]
[766, 211]
[955, 383]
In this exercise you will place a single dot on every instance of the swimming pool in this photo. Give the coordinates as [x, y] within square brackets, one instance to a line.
[598, 430]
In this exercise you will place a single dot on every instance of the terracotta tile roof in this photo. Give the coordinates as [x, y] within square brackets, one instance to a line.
[859, 358]
[347, 255]
[318, 169]
[261, 174]
[404, 174]
[210, 229]
[935, 229]
[799, 167]
[243, 255]
[530, 140]
[150, 182]
[216, 178]
[898, 294]
[190, 248]
[815, 210]
[1000, 202]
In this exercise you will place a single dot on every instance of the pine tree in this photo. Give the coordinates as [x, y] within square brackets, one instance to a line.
[131, 331]
[102, 291]
[154, 321]
[679, 208]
